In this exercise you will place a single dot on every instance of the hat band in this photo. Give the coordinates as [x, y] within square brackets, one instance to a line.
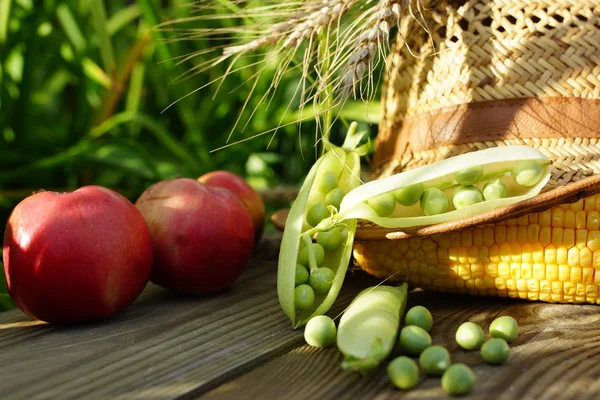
[517, 118]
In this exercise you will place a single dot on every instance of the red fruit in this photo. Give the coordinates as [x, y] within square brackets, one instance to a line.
[245, 192]
[75, 257]
[202, 236]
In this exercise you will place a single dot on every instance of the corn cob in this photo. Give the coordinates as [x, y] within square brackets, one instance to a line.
[552, 256]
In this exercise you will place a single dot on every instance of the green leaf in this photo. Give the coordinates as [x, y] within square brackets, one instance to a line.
[99, 17]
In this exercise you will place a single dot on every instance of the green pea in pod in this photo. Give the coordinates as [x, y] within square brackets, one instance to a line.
[340, 165]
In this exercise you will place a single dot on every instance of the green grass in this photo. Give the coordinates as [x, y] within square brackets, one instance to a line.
[86, 97]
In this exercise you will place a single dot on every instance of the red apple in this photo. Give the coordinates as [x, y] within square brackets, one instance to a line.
[244, 191]
[75, 257]
[202, 235]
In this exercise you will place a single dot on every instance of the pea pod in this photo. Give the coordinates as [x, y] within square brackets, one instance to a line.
[339, 166]
[368, 328]
[521, 172]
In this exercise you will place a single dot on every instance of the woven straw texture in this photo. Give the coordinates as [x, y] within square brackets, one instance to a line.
[477, 51]
[489, 50]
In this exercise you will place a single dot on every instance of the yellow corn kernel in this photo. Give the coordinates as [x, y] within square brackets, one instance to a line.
[522, 234]
[413, 266]
[587, 276]
[526, 251]
[569, 219]
[511, 234]
[515, 270]
[511, 284]
[545, 236]
[568, 238]
[466, 239]
[597, 203]
[523, 220]
[505, 252]
[564, 272]
[533, 218]
[443, 241]
[515, 252]
[556, 287]
[550, 254]
[552, 272]
[539, 271]
[504, 270]
[588, 203]
[472, 254]
[526, 271]
[580, 290]
[545, 286]
[580, 219]
[495, 254]
[545, 218]
[558, 217]
[420, 254]
[454, 239]
[593, 240]
[569, 288]
[500, 234]
[593, 220]
[561, 255]
[511, 222]
[464, 271]
[484, 255]
[491, 270]
[488, 236]
[533, 285]
[573, 257]
[585, 257]
[533, 233]
[477, 271]
[462, 255]
[581, 238]
[478, 237]
[578, 206]
[500, 284]
[557, 236]
[537, 253]
[575, 274]
[521, 285]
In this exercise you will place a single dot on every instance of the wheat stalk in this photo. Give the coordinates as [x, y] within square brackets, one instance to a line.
[336, 45]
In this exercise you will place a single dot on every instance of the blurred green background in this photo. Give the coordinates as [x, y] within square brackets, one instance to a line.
[84, 91]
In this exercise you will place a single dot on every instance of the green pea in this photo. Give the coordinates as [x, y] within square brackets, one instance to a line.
[316, 213]
[470, 336]
[320, 332]
[458, 379]
[330, 239]
[419, 316]
[304, 297]
[494, 190]
[383, 204]
[469, 176]
[321, 280]
[505, 328]
[495, 351]
[301, 275]
[409, 195]
[434, 360]
[403, 372]
[414, 339]
[335, 197]
[319, 252]
[527, 172]
[434, 202]
[327, 182]
[466, 196]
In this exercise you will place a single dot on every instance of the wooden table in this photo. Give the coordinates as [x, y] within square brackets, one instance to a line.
[240, 345]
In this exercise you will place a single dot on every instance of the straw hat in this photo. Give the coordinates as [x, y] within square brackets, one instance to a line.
[487, 74]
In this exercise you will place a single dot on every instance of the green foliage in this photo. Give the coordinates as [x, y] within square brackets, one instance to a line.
[90, 93]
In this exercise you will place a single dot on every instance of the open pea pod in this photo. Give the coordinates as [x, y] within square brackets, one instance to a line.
[450, 189]
[303, 296]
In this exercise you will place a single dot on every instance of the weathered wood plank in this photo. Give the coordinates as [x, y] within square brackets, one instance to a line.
[557, 356]
[162, 347]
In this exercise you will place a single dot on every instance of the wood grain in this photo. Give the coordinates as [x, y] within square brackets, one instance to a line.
[556, 356]
[163, 347]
